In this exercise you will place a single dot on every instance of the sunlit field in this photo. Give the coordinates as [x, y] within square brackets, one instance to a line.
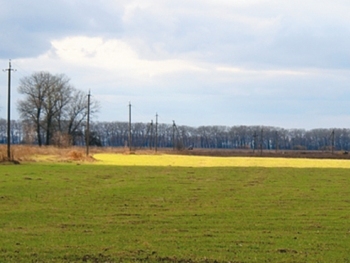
[203, 161]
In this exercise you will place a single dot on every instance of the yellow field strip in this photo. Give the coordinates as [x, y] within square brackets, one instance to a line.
[203, 161]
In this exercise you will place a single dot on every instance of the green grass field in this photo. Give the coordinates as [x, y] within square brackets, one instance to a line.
[117, 213]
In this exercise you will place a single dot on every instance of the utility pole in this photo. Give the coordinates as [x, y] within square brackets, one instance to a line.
[332, 141]
[151, 140]
[261, 142]
[129, 126]
[174, 126]
[276, 139]
[254, 136]
[156, 144]
[9, 110]
[88, 126]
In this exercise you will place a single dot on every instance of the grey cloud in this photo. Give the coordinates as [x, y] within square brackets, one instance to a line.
[279, 37]
[28, 26]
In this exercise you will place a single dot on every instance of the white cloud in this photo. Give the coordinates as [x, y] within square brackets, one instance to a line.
[114, 55]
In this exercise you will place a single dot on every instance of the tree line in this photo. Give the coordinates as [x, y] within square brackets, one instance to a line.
[115, 134]
[147, 135]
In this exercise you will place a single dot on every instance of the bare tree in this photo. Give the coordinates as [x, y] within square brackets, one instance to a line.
[76, 112]
[52, 105]
[36, 89]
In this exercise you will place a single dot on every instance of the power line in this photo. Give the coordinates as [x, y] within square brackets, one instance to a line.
[21, 70]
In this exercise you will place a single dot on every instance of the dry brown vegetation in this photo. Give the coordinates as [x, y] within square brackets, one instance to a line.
[32, 153]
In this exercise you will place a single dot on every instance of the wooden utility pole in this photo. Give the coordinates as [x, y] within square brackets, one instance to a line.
[261, 141]
[9, 110]
[276, 139]
[129, 126]
[254, 136]
[88, 126]
[151, 140]
[156, 139]
[174, 126]
[332, 141]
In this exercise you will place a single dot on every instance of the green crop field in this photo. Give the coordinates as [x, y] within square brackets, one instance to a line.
[142, 213]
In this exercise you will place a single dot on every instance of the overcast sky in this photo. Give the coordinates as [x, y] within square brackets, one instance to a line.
[199, 62]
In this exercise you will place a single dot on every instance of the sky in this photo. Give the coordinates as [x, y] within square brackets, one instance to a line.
[274, 63]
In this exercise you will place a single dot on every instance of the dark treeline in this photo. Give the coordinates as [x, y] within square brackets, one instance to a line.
[116, 134]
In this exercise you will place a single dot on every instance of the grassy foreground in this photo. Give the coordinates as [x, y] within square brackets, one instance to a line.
[95, 213]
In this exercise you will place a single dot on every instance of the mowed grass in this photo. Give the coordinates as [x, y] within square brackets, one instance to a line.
[132, 213]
